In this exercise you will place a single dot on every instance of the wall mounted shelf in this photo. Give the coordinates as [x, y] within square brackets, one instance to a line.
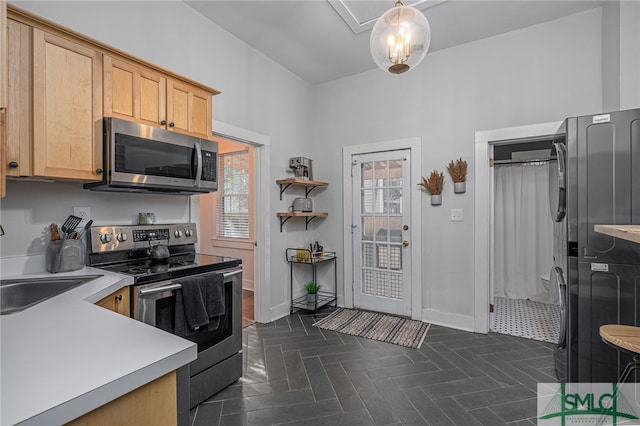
[309, 185]
[309, 216]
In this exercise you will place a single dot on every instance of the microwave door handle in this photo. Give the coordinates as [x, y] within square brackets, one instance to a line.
[199, 165]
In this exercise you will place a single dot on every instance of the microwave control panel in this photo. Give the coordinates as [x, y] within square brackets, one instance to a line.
[208, 166]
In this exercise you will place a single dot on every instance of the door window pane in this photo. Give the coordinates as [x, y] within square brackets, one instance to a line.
[233, 195]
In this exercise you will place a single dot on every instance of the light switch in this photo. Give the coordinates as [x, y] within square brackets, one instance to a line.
[456, 215]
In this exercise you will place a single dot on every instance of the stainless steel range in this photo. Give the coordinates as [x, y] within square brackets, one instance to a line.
[168, 275]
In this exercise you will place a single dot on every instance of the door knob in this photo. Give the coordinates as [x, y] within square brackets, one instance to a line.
[405, 243]
[163, 122]
[405, 227]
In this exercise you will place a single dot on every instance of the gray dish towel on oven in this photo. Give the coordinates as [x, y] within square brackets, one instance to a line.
[199, 304]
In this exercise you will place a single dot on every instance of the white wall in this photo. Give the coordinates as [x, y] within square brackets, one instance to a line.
[257, 94]
[629, 54]
[611, 55]
[539, 74]
[621, 55]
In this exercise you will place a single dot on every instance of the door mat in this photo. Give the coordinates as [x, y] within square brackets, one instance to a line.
[376, 326]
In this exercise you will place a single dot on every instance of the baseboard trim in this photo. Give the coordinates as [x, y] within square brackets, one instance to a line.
[279, 311]
[446, 319]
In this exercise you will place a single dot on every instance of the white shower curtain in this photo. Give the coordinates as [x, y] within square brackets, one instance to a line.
[523, 232]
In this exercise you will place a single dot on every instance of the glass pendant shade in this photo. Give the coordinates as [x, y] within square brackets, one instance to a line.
[400, 39]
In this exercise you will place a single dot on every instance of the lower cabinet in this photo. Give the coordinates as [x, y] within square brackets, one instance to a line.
[118, 301]
[152, 404]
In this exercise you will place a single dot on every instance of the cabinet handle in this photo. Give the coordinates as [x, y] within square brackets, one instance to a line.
[163, 122]
[99, 171]
[13, 165]
[172, 124]
[119, 298]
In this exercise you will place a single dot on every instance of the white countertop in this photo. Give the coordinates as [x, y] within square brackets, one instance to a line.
[66, 356]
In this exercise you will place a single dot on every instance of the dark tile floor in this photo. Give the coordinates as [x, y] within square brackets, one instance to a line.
[295, 373]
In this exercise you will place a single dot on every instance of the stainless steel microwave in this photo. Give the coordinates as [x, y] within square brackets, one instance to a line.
[141, 158]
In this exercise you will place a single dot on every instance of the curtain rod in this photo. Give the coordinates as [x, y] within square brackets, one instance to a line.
[509, 162]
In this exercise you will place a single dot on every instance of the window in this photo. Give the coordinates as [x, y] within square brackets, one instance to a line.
[233, 195]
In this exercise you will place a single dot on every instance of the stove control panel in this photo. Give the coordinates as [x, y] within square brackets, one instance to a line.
[128, 237]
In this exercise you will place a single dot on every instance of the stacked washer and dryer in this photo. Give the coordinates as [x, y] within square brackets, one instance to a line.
[595, 180]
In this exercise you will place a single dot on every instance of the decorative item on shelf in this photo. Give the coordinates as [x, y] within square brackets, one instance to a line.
[312, 289]
[317, 251]
[303, 255]
[433, 185]
[400, 39]
[458, 172]
[302, 167]
[146, 218]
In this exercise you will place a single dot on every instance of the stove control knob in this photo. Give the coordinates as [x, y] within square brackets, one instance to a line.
[188, 233]
[178, 233]
[122, 236]
[105, 238]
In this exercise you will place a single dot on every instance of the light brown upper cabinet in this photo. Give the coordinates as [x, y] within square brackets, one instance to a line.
[56, 101]
[3, 95]
[3, 54]
[19, 115]
[133, 92]
[67, 108]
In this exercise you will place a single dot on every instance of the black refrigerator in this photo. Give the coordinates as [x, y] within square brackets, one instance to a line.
[594, 178]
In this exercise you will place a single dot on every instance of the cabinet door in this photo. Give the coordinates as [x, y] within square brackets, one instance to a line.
[117, 302]
[19, 114]
[188, 109]
[133, 93]
[67, 109]
[3, 54]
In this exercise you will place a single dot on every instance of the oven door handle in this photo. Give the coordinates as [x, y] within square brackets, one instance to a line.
[230, 274]
[153, 290]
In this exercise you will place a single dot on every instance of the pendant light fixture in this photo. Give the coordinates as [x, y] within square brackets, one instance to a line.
[400, 39]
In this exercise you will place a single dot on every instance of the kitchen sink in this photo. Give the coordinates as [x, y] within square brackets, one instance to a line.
[21, 293]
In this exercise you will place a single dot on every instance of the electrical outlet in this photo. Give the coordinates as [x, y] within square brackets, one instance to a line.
[84, 213]
[456, 215]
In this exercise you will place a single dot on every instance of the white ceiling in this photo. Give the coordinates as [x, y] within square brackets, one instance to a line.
[311, 39]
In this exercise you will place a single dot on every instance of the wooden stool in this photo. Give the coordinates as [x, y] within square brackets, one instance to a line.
[625, 337]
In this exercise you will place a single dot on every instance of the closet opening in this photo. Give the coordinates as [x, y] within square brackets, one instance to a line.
[524, 303]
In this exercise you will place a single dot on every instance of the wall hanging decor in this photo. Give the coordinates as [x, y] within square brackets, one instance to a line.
[458, 172]
[433, 185]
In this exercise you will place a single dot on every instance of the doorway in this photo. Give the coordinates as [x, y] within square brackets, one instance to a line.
[381, 248]
[231, 215]
[386, 276]
[485, 177]
[222, 238]
[525, 304]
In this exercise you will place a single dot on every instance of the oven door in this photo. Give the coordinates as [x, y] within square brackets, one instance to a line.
[154, 304]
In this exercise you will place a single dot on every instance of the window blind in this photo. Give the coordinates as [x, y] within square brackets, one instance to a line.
[232, 210]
